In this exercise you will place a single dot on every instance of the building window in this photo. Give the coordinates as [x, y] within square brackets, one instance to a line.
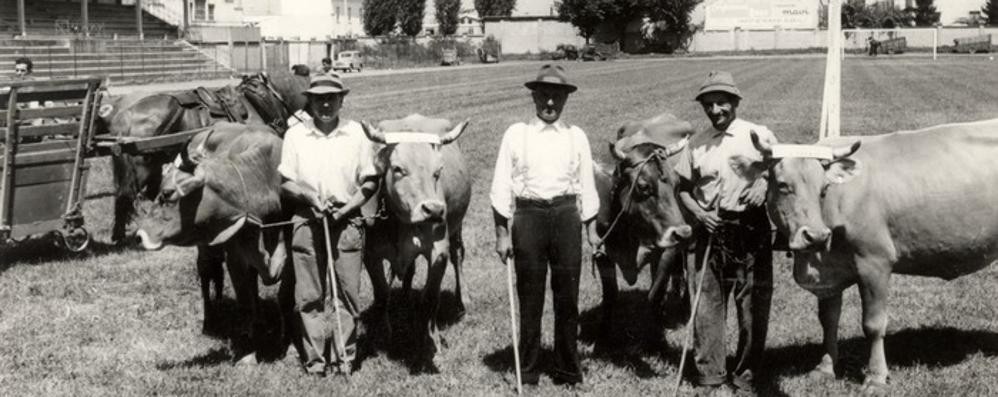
[199, 9]
[349, 13]
[337, 14]
[211, 12]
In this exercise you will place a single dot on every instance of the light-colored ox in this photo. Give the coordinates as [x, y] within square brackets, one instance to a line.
[914, 202]
[425, 191]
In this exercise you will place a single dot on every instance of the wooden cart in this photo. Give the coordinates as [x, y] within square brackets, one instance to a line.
[46, 128]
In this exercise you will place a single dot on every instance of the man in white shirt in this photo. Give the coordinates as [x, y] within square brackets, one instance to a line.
[544, 183]
[730, 211]
[328, 169]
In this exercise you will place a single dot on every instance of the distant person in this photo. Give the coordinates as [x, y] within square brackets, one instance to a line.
[327, 65]
[23, 69]
[874, 46]
[301, 70]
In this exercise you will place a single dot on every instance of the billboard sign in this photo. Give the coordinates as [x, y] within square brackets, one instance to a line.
[761, 14]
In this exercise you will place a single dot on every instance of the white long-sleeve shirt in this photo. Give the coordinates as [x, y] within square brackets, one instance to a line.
[541, 161]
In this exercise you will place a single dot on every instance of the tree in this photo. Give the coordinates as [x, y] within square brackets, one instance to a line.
[380, 17]
[447, 13]
[672, 18]
[990, 12]
[585, 15]
[925, 13]
[411, 16]
[495, 8]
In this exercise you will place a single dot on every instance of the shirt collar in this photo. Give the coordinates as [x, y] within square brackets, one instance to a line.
[540, 125]
[340, 129]
[729, 132]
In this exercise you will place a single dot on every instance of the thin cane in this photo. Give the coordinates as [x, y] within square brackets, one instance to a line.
[512, 324]
[337, 338]
[693, 316]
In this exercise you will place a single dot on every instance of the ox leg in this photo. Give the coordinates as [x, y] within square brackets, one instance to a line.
[829, 311]
[457, 259]
[407, 275]
[431, 303]
[123, 171]
[243, 341]
[608, 280]
[212, 277]
[382, 292]
[874, 294]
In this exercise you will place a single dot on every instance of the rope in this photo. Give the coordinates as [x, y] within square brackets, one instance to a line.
[693, 316]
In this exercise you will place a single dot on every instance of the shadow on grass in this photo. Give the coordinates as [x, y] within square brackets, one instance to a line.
[405, 345]
[933, 347]
[48, 248]
[270, 343]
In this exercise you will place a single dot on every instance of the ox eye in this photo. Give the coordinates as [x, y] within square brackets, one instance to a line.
[644, 188]
[436, 174]
[784, 187]
[399, 171]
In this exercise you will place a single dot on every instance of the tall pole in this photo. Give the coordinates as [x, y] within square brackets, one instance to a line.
[138, 18]
[830, 104]
[85, 16]
[20, 18]
[186, 23]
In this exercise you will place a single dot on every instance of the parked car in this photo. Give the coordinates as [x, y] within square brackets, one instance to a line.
[449, 58]
[591, 53]
[348, 61]
[565, 51]
[973, 45]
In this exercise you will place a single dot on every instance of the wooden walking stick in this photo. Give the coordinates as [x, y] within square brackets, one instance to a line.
[512, 324]
[331, 270]
[693, 316]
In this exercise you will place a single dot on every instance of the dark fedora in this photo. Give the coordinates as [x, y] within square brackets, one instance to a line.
[326, 84]
[552, 76]
[719, 81]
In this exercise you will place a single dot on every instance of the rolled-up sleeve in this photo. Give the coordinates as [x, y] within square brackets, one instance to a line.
[587, 182]
[289, 157]
[502, 178]
[366, 169]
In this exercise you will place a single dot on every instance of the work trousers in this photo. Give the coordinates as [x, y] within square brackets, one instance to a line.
[548, 233]
[316, 321]
[740, 263]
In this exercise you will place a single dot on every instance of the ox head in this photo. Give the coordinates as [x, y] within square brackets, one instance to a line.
[218, 192]
[413, 166]
[799, 177]
[645, 182]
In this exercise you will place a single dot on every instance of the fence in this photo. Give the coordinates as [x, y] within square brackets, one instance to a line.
[919, 39]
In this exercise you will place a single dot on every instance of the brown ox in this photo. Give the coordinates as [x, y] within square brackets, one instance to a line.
[917, 203]
[426, 191]
[641, 212]
[217, 201]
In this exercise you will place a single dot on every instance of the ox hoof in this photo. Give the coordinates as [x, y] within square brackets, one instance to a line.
[248, 360]
[873, 387]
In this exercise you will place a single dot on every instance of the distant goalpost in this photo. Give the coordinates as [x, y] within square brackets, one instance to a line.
[830, 125]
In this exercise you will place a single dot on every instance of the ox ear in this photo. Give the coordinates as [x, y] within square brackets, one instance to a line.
[617, 154]
[228, 231]
[372, 132]
[453, 134]
[749, 168]
[843, 170]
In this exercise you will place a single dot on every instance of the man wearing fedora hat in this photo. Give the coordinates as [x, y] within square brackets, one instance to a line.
[731, 218]
[328, 171]
[544, 184]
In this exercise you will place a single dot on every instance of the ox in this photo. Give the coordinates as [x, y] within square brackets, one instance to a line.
[914, 202]
[257, 99]
[228, 187]
[641, 218]
[425, 191]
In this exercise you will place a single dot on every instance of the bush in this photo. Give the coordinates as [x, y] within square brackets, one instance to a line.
[401, 52]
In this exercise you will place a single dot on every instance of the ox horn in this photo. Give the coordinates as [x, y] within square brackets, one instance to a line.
[455, 133]
[617, 153]
[842, 152]
[374, 134]
[763, 147]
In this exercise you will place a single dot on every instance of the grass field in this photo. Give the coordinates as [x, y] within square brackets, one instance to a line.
[126, 322]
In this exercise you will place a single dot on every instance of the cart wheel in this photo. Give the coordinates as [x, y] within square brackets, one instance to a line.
[76, 240]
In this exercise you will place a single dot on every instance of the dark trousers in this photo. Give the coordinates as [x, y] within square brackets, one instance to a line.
[740, 263]
[548, 234]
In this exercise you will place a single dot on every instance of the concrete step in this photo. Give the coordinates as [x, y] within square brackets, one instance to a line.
[70, 58]
[173, 69]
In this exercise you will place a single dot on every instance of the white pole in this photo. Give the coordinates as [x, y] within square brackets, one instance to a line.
[512, 324]
[829, 126]
[331, 270]
[935, 42]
